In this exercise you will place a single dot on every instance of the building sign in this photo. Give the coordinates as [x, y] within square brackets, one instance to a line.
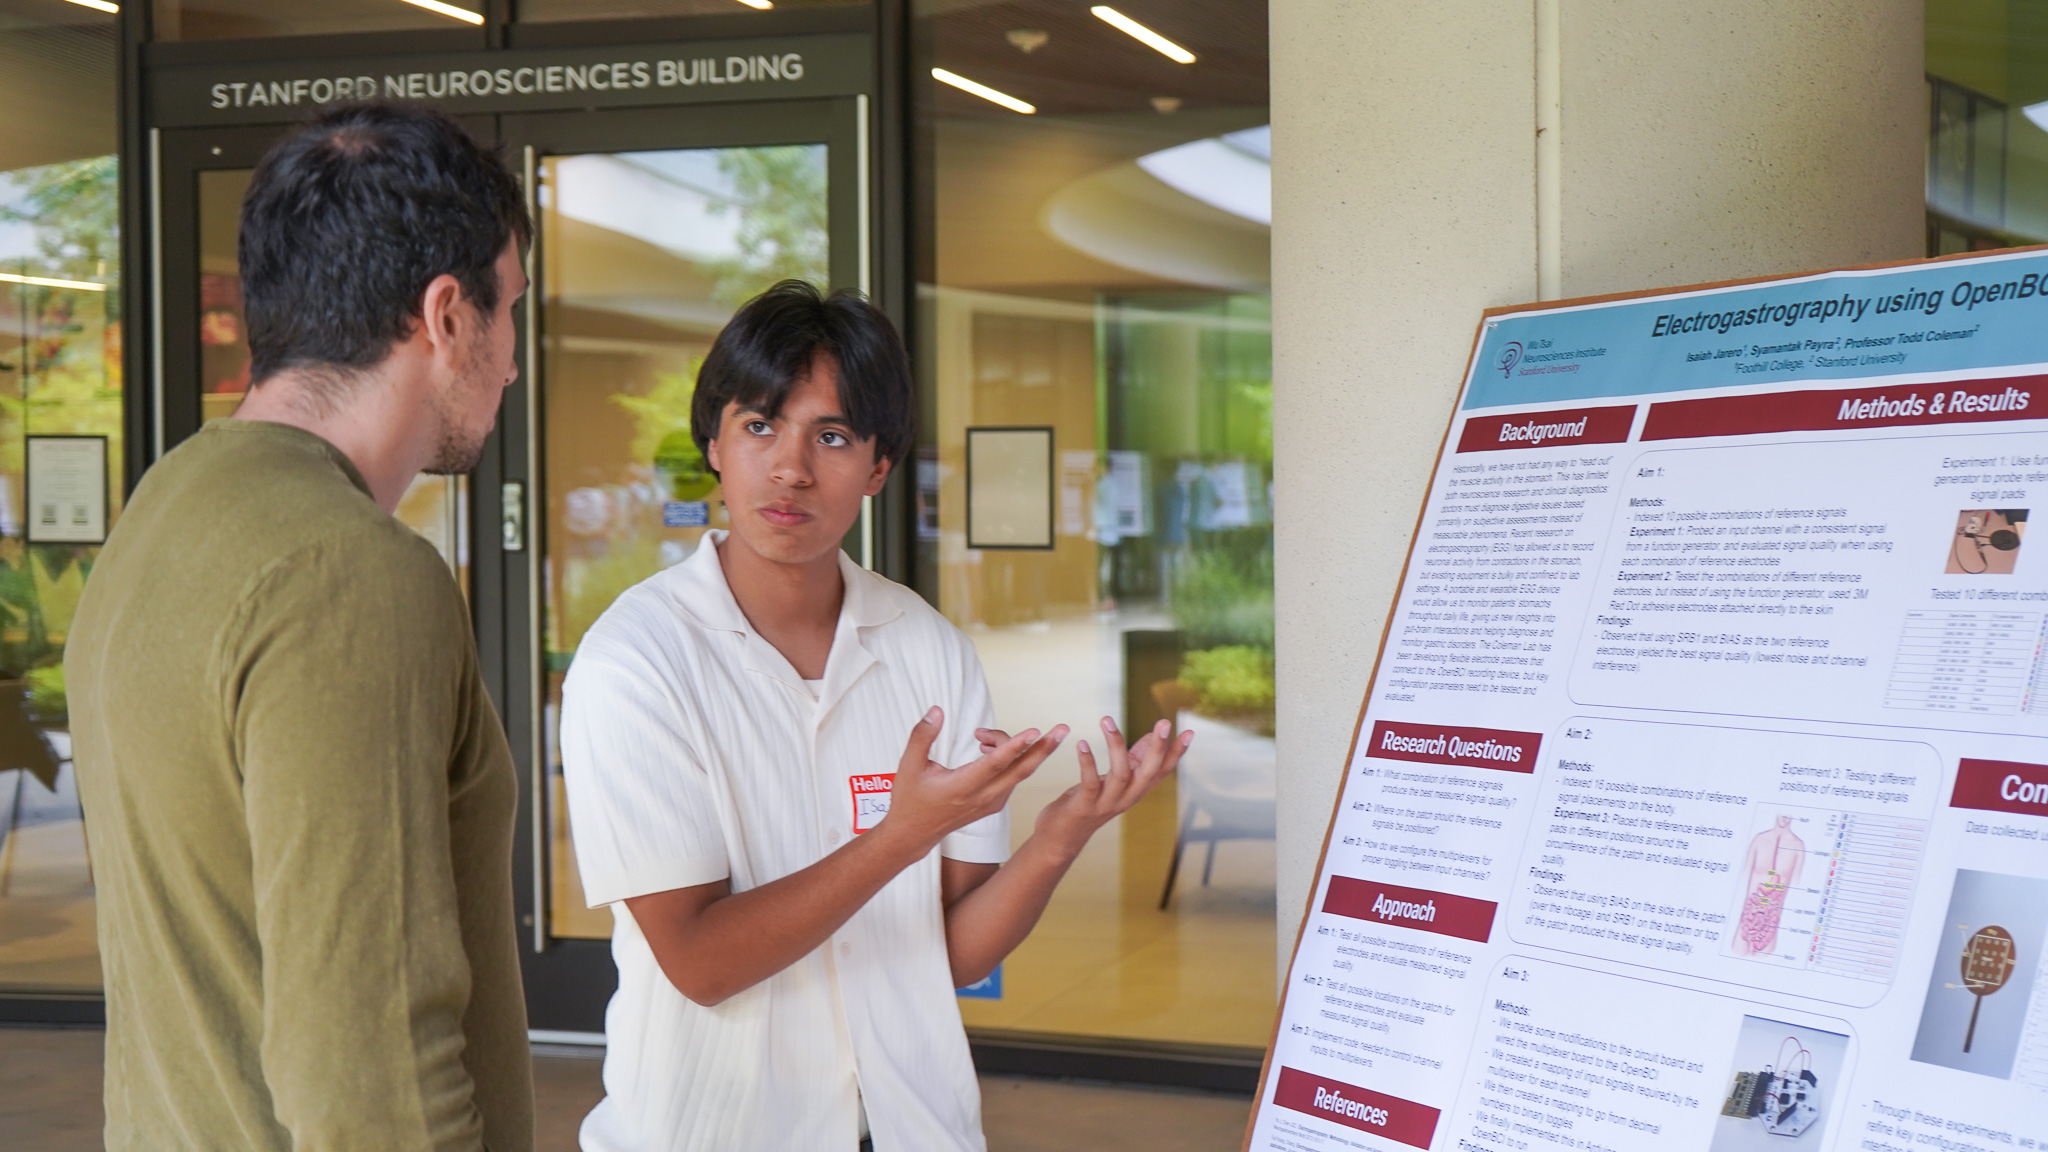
[1700, 795]
[520, 80]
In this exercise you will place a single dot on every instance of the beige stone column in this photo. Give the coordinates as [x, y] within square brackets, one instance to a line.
[1412, 188]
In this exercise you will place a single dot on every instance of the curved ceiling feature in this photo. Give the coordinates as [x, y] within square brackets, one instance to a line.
[1233, 172]
[1198, 212]
[674, 200]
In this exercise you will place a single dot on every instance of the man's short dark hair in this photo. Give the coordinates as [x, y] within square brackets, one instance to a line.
[349, 219]
[769, 344]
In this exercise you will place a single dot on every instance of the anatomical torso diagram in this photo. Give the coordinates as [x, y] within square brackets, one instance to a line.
[1769, 871]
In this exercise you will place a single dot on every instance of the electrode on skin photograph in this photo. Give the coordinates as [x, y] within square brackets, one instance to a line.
[1987, 542]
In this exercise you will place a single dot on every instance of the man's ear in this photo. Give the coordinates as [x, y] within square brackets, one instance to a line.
[711, 455]
[879, 476]
[439, 308]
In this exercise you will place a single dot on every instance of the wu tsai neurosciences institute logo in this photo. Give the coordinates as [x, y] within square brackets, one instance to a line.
[1509, 357]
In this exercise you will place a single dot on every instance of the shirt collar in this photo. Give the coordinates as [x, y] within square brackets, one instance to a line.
[297, 436]
[701, 590]
[705, 596]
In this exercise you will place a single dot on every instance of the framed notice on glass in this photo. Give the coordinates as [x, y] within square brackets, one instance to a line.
[66, 489]
[1010, 488]
[1699, 798]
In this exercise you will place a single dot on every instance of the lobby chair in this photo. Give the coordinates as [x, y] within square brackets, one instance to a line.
[1223, 797]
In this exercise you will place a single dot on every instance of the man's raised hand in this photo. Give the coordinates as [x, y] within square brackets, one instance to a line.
[988, 915]
[1101, 797]
[929, 800]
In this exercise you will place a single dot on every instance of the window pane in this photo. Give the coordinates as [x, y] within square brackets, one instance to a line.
[437, 507]
[643, 256]
[223, 330]
[1987, 125]
[60, 373]
[1101, 266]
[238, 19]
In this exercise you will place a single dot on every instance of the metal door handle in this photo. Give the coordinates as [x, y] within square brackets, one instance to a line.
[512, 517]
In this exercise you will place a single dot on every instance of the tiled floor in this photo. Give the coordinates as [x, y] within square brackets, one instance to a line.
[1105, 960]
[50, 1102]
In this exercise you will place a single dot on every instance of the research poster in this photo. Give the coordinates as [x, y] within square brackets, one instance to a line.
[1699, 802]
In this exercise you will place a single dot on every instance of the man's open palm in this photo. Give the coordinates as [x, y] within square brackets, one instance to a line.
[929, 800]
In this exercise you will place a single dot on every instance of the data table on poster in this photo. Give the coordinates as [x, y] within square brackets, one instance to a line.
[1965, 661]
[1700, 794]
[1869, 892]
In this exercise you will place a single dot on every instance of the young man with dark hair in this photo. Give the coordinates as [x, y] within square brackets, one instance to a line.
[299, 799]
[797, 890]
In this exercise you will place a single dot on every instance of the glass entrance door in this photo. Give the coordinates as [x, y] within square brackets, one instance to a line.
[652, 228]
[645, 256]
[205, 340]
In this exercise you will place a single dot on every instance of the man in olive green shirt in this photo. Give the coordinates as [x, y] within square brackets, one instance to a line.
[298, 797]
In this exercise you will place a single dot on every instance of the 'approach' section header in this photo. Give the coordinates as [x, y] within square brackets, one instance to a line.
[1418, 908]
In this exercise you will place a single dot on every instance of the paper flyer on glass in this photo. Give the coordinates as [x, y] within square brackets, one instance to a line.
[1700, 797]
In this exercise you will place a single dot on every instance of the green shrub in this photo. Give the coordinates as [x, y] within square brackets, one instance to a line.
[46, 690]
[1232, 679]
[1222, 594]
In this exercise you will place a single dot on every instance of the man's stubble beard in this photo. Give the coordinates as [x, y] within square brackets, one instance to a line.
[458, 450]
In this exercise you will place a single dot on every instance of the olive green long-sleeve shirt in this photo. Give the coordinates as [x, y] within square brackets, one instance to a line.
[300, 807]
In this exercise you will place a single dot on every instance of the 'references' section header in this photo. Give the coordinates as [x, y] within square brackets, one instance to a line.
[1921, 318]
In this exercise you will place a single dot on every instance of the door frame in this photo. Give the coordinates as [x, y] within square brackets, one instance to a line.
[165, 144]
[569, 981]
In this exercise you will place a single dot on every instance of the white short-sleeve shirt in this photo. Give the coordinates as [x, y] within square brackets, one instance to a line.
[694, 752]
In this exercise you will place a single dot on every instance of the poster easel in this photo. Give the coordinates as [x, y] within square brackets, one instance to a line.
[1704, 716]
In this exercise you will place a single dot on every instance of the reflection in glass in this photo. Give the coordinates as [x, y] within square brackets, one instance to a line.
[223, 332]
[643, 257]
[434, 506]
[60, 340]
[60, 372]
[1987, 125]
[1102, 266]
[239, 19]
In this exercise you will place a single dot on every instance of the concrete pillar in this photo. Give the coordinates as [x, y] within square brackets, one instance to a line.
[1412, 188]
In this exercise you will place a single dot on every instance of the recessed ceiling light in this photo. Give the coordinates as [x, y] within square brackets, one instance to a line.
[764, 5]
[449, 10]
[102, 5]
[982, 90]
[1142, 34]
